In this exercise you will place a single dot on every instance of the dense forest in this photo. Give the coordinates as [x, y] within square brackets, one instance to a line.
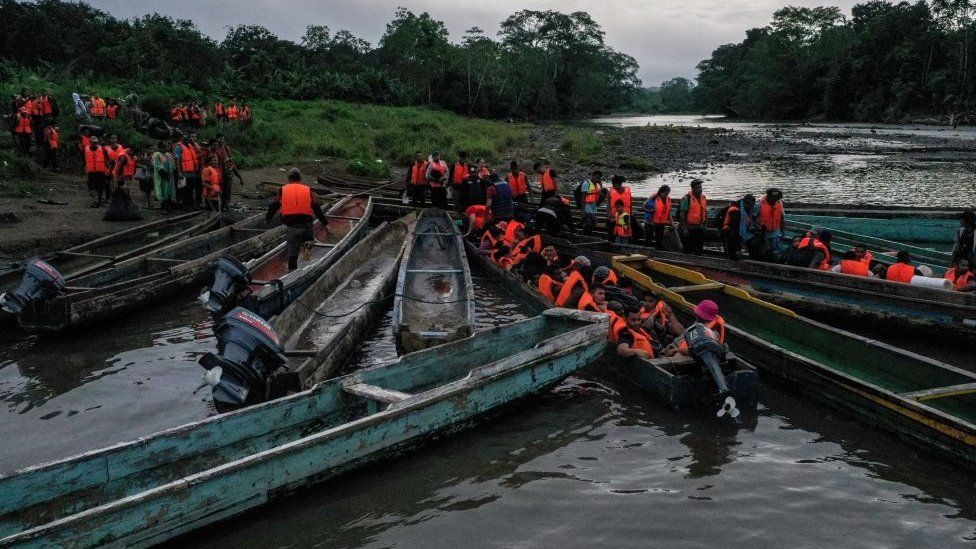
[542, 64]
[887, 62]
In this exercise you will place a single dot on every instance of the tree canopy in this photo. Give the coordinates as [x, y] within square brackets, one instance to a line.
[542, 64]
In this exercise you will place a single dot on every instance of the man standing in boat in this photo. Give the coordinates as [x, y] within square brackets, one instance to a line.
[297, 204]
[693, 213]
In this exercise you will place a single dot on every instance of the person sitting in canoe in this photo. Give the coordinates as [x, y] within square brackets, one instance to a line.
[962, 277]
[594, 300]
[903, 270]
[812, 251]
[576, 283]
[297, 205]
[658, 318]
[604, 275]
[550, 282]
[633, 340]
[706, 313]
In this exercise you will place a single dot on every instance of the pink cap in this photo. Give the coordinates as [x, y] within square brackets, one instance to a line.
[707, 310]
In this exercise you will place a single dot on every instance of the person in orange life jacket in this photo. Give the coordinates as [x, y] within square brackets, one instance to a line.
[962, 277]
[189, 163]
[500, 254]
[658, 318]
[617, 193]
[851, 265]
[604, 276]
[738, 225]
[657, 217]
[498, 198]
[964, 246]
[622, 230]
[813, 251]
[706, 312]
[550, 282]
[23, 131]
[518, 182]
[124, 167]
[617, 311]
[415, 181]
[595, 300]
[37, 119]
[211, 179]
[902, 270]
[547, 180]
[632, 340]
[693, 214]
[477, 220]
[591, 195]
[437, 180]
[459, 172]
[575, 284]
[52, 142]
[97, 169]
[771, 219]
[297, 204]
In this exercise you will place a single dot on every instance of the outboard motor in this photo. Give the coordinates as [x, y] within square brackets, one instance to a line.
[709, 353]
[249, 367]
[41, 282]
[231, 285]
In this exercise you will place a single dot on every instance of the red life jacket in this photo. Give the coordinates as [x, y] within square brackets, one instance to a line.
[23, 124]
[296, 199]
[518, 183]
[47, 106]
[232, 112]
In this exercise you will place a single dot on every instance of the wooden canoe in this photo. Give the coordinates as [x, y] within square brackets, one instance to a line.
[348, 222]
[434, 301]
[922, 400]
[850, 301]
[328, 321]
[111, 249]
[163, 485]
[917, 229]
[677, 381]
[150, 277]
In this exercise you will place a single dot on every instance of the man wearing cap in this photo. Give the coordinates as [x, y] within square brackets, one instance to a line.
[297, 204]
[771, 218]
[437, 177]
[693, 213]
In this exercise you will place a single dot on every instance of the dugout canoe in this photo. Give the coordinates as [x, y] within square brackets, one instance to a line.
[111, 249]
[325, 324]
[148, 278]
[848, 301]
[434, 301]
[147, 491]
[677, 381]
[922, 400]
[273, 287]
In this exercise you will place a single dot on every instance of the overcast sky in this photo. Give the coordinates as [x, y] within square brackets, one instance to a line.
[668, 37]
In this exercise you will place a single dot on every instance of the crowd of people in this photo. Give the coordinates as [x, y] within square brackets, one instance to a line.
[191, 115]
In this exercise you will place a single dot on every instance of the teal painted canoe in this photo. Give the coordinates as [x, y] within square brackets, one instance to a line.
[434, 301]
[924, 401]
[327, 322]
[677, 381]
[170, 483]
[916, 230]
[849, 301]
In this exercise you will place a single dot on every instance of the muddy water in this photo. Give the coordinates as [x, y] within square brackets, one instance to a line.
[592, 464]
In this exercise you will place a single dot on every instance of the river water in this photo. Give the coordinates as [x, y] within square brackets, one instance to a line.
[863, 164]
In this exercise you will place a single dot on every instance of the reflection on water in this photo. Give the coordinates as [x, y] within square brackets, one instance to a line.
[595, 464]
[845, 179]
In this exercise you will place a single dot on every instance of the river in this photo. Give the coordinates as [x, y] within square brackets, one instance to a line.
[860, 164]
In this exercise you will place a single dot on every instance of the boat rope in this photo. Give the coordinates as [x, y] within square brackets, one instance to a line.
[372, 301]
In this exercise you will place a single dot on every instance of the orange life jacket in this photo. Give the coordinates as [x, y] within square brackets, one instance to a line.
[33, 107]
[211, 175]
[460, 173]
[586, 303]
[113, 111]
[480, 214]
[594, 194]
[615, 322]
[85, 142]
[532, 244]
[124, 170]
[728, 218]
[232, 112]
[245, 113]
[51, 136]
[642, 340]
[771, 217]
[296, 199]
[658, 312]
[518, 183]
[189, 158]
[621, 226]
[113, 151]
[47, 106]
[717, 327]
[816, 243]
[900, 272]
[624, 195]
[854, 267]
[176, 114]
[697, 209]
[96, 161]
[546, 286]
[489, 239]
[219, 108]
[440, 166]
[565, 293]
[97, 106]
[547, 181]
[23, 124]
[418, 173]
[959, 282]
[662, 211]
[610, 279]
[509, 237]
